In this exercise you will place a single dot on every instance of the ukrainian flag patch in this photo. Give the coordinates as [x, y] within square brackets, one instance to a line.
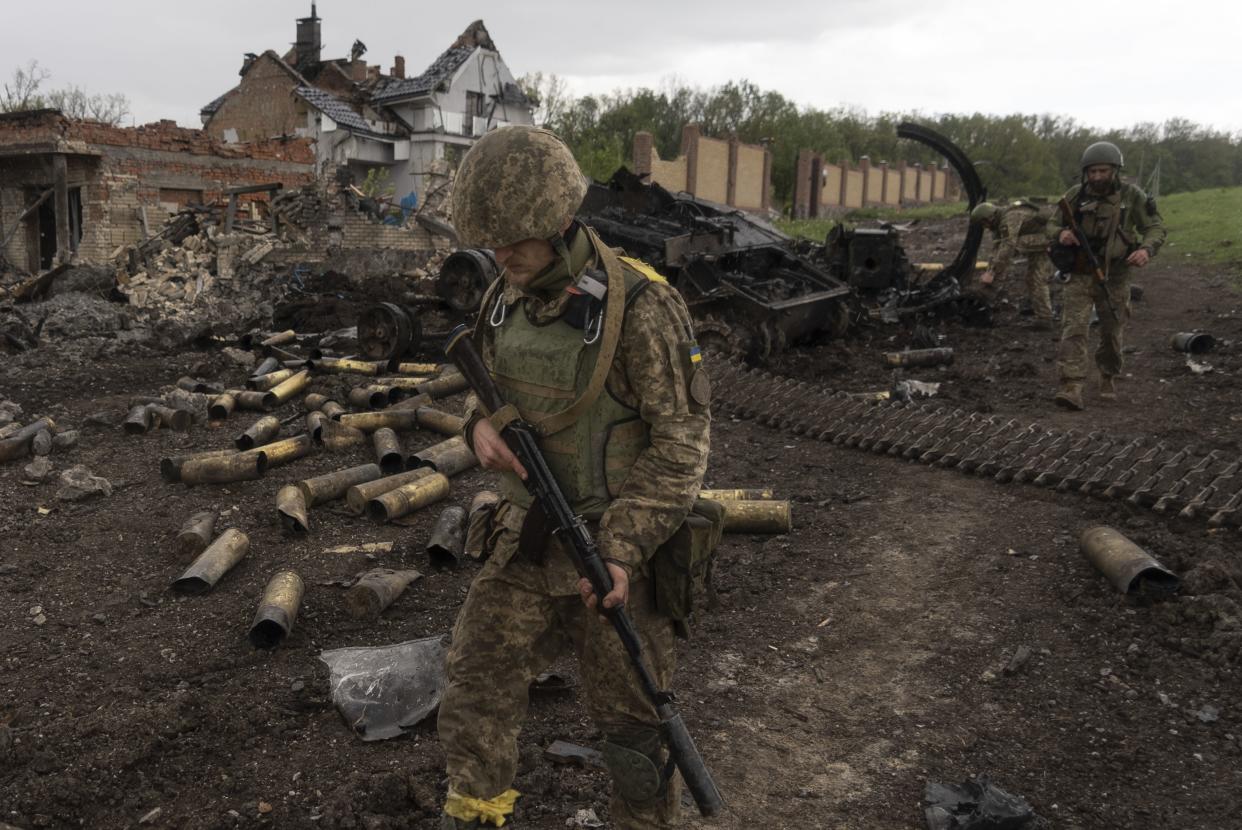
[695, 355]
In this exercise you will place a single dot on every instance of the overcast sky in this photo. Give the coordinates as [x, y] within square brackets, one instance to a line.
[1105, 63]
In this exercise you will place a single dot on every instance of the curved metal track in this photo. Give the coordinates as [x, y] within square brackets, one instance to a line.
[1169, 480]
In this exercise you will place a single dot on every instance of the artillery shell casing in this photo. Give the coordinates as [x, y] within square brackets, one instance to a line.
[195, 534]
[444, 386]
[332, 486]
[139, 420]
[314, 401]
[278, 610]
[367, 397]
[398, 368]
[335, 436]
[1192, 342]
[450, 457]
[170, 468]
[282, 452]
[221, 407]
[314, 425]
[260, 432]
[340, 366]
[291, 507]
[394, 419]
[17, 445]
[280, 338]
[388, 452]
[1123, 563]
[756, 516]
[448, 538]
[357, 496]
[407, 498]
[437, 420]
[262, 383]
[413, 403]
[223, 469]
[919, 357]
[267, 365]
[286, 389]
[175, 419]
[736, 495]
[376, 590]
[333, 410]
[226, 551]
[407, 383]
[250, 400]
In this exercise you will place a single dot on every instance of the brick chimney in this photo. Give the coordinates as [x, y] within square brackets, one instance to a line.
[307, 47]
[398, 67]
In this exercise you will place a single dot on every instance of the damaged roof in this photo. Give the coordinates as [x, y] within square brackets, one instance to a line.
[442, 68]
[337, 110]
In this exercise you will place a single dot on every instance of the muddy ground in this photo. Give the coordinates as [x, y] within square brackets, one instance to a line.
[847, 665]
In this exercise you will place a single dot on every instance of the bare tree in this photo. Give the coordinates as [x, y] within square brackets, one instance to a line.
[76, 102]
[22, 93]
[549, 94]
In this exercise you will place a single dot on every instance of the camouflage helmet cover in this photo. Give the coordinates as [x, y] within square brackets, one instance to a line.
[515, 183]
[983, 213]
[1101, 152]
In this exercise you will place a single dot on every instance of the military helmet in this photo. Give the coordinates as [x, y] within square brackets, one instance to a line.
[983, 213]
[516, 183]
[1102, 152]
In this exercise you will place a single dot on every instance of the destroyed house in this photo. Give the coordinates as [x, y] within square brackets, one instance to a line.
[72, 188]
[364, 119]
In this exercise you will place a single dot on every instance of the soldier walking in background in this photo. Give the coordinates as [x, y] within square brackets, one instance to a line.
[1124, 230]
[1019, 229]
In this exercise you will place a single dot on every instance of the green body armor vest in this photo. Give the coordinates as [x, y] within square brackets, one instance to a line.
[541, 370]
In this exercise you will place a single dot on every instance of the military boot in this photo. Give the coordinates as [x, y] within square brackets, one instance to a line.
[1069, 396]
[1108, 390]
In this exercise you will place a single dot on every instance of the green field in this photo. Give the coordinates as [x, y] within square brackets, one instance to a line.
[1204, 226]
[817, 229]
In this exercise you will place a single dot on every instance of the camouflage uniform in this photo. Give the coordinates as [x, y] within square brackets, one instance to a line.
[1116, 225]
[521, 613]
[1019, 229]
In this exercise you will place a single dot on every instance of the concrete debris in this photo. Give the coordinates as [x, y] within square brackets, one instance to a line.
[80, 484]
[37, 471]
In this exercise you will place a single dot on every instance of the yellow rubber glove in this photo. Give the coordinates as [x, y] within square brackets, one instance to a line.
[494, 811]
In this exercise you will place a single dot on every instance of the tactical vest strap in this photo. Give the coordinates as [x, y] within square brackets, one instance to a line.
[504, 416]
[614, 314]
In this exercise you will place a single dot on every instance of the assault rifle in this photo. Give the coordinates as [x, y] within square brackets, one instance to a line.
[1068, 213]
[571, 529]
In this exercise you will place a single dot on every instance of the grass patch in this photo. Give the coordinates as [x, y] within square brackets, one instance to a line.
[817, 229]
[1205, 225]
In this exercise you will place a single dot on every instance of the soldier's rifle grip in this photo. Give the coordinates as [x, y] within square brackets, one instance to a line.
[1068, 212]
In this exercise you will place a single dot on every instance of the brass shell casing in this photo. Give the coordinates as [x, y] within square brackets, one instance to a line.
[342, 366]
[314, 425]
[448, 538]
[444, 386]
[449, 457]
[221, 407]
[407, 383]
[291, 507]
[287, 389]
[388, 452]
[251, 400]
[408, 497]
[139, 420]
[437, 420]
[282, 452]
[736, 495]
[278, 610]
[1126, 566]
[375, 590]
[413, 403]
[226, 551]
[756, 516]
[314, 401]
[333, 410]
[175, 419]
[268, 364]
[170, 468]
[367, 397]
[259, 433]
[211, 468]
[196, 533]
[398, 368]
[262, 383]
[335, 436]
[280, 338]
[394, 419]
[919, 357]
[357, 496]
[332, 486]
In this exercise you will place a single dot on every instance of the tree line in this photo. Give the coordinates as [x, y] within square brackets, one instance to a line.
[25, 90]
[1015, 155]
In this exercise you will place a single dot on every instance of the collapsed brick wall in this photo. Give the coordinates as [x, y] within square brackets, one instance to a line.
[821, 187]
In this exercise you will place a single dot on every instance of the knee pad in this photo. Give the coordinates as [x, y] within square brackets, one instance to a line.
[635, 761]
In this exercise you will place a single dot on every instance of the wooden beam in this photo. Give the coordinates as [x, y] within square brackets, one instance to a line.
[60, 182]
[43, 197]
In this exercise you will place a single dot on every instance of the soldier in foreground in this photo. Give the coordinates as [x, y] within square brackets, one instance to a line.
[1123, 229]
[1019, 228]
[628, 446]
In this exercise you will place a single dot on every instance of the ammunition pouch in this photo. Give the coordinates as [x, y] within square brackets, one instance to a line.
[681, 568]
[482, 532]
[634, 761]
[1065, 257]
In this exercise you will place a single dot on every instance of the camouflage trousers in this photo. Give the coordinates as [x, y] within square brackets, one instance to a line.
[1079, 296]
[511, 628]
[1036, 272]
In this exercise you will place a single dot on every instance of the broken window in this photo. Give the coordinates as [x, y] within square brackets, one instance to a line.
[474, 107]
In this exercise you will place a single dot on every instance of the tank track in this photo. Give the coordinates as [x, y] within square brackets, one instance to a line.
[1169, 480]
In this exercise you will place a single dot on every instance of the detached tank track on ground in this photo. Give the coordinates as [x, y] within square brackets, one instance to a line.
[1169, 480]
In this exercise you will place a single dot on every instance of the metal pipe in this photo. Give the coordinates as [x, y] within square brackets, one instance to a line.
[1128, 567]
[278, 610]
[226, 551]
[375, 590]
[195, 534]
[357, 496]
[291, 507]
[448, 538]
[332, 486]
[388, 451]
[407, 498]
[260, 432]
[286, 389]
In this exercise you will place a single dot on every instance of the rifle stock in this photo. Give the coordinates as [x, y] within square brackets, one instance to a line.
[1068, 213]
[572, 530]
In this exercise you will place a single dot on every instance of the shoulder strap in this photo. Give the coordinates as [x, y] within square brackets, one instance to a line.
[614, 314]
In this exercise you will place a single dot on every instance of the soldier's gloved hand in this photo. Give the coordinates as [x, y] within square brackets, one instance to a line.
[1139, 258]
[619, 594]
[492, 451]
[1067, 237]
